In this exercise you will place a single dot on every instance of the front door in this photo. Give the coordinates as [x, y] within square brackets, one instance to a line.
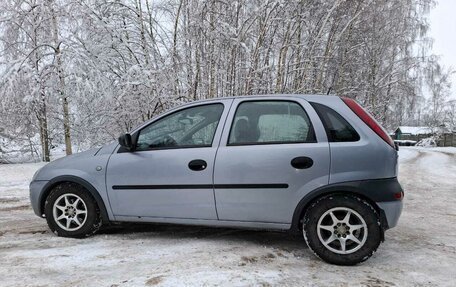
[169, 175]
[272, 153]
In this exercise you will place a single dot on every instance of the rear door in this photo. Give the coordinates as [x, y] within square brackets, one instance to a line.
[271, 154]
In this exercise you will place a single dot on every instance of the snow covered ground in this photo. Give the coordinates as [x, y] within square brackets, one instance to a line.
[421, 251]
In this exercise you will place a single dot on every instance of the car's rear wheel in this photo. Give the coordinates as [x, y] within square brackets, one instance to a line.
[342, 229]
[71, 211]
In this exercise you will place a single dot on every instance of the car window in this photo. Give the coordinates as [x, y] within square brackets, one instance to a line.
[337, 128]
[205, 134]
[265, 122]
[191, 127]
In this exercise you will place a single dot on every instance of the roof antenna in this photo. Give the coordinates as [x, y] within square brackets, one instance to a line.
[329, 90]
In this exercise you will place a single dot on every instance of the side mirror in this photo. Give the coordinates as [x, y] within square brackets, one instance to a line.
[126, 142]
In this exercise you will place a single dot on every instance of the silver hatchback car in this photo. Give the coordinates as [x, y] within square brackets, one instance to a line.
[320, 165]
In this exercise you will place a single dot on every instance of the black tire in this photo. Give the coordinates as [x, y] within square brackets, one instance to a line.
[91, 221]
[321, 208]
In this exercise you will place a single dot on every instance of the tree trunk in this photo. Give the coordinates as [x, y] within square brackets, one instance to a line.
[175, 53]
[58, 56]
[44, 134]
[279, 87]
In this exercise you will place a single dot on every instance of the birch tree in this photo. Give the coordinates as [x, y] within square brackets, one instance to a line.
[88, 70]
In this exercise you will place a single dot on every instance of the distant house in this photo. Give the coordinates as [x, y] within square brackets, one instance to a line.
[409, 135]
[413, 133]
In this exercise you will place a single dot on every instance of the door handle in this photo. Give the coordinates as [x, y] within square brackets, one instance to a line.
[197, 165]
[302, 162]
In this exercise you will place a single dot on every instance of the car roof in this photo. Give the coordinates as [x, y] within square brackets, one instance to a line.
[307, 97]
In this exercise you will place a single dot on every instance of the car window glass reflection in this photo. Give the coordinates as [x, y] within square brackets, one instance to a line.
[192, 127]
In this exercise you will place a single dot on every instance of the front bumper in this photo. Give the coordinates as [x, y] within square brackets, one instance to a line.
[36, 190]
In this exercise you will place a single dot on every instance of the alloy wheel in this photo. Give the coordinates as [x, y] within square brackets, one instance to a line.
[342, 230]
[70, 212]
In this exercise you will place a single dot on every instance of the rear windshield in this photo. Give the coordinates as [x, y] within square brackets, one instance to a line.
[337, 128]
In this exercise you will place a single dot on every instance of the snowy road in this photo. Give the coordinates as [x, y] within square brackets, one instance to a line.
[421, 251]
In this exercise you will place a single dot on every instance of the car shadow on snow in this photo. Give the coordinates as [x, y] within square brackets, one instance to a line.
[287, 241]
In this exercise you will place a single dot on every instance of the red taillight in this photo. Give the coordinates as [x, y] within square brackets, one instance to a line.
[368, 120]
[399, 195]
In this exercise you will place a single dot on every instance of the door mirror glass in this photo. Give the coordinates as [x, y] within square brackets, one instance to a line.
[126, 142]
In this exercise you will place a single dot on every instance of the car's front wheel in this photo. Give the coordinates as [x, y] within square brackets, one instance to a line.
[71, 211]
[342, 229]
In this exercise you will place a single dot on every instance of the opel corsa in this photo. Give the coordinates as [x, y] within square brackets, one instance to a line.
[320, 165]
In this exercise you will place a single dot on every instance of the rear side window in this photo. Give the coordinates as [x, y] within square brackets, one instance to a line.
[270, 122]
[337, 128]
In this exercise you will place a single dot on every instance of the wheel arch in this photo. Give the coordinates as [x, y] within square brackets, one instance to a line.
[79, 181]
[348, 188]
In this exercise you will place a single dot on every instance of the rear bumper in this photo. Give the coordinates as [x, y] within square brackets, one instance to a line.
[392, 211]
[387, 194]
[36, 189]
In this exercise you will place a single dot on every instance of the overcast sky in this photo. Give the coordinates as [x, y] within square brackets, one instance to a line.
[443, 30]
